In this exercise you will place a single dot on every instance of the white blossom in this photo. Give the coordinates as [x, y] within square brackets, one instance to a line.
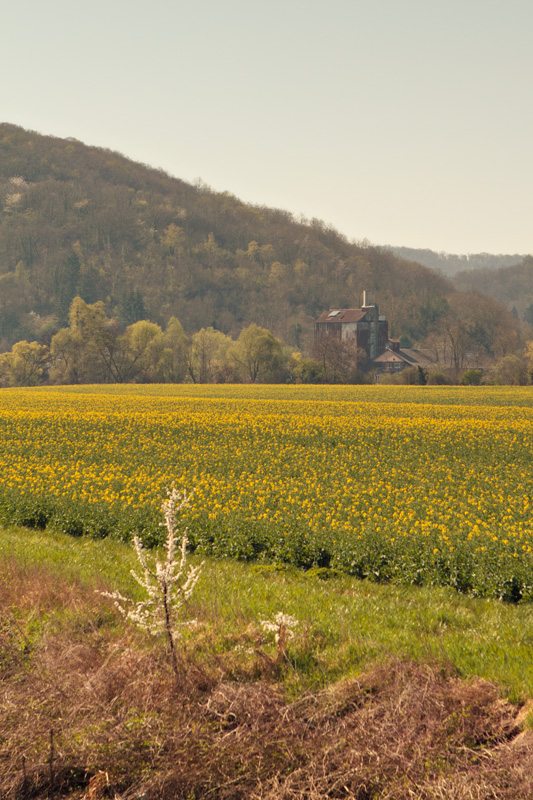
[168, 584]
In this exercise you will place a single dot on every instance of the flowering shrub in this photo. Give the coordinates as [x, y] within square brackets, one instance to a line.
[167, 583]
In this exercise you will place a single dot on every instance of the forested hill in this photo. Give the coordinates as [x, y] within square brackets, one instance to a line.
[79, 220]
[512, 286]
[450, 264]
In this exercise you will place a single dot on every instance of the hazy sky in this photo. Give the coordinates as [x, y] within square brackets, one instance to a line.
[406, 122]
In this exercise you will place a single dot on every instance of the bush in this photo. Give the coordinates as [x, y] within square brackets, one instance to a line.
[311, 371]
[437, 377]
[413, 376]
[509, 371]
[471, 377]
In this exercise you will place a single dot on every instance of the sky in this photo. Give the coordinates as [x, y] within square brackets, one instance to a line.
[401, 122]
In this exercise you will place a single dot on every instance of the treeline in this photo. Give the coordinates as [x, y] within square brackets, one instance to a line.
[474, 341]
[96, 349]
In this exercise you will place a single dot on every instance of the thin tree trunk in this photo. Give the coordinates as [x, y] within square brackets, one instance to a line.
[170, 636]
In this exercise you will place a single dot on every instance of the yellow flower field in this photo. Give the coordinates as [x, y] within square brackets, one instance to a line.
[423, 484]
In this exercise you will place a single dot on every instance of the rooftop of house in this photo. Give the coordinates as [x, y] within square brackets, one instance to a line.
[343, 315]
[405, 355]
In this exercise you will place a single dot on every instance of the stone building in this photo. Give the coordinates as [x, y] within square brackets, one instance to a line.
[363, 326]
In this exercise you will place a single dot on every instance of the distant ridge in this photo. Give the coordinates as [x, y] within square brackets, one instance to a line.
[449, 264]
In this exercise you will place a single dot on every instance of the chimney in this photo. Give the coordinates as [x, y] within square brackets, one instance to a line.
[366, 299]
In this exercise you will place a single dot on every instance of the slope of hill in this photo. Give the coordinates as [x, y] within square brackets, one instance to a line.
[512, 286]
[450, 264]
[81, 220]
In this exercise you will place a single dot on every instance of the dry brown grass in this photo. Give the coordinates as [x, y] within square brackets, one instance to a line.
[92, 711]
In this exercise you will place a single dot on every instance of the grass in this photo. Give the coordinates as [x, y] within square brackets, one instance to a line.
[372, 701]
[344, 624]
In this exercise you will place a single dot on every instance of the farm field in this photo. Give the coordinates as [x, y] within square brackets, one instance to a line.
[419, 485]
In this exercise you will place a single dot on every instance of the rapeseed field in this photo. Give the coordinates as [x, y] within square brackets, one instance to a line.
[427, 485]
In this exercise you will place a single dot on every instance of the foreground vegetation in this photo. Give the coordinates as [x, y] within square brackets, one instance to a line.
[371, 700]
[417, 485]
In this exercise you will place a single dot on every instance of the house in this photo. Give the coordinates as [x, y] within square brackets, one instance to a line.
[363, 326]
[370, 333]
[394, 359]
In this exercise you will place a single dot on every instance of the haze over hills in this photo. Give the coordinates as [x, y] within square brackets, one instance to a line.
[450, 264]
[83, 221]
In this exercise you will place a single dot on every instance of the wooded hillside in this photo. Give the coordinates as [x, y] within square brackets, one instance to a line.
[512, 286]
[450, 263]
[79, 220]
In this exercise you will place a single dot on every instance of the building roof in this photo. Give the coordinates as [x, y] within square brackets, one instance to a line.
[343, 315]
[391, 357]
[405, 356]
[418, 357]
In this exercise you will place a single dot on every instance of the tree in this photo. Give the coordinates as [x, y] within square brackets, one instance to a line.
[92, 223]
[143, 346]
[311, 371]
[208, 358]
[25, 365]
[167, 584]
[88, 284]
[509, 371]
[91, 350]
[174, 238]
[258, 354]
[422, 376]
[474, 331]
[130, 308]
[528, 315]
[65, 285]
[471, 377]
[340, 360]
[174, 358]
[65, 351]
[528, 355]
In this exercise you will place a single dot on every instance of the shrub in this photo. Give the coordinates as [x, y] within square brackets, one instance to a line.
[167, 584]
[437, 377]
[471, 377]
